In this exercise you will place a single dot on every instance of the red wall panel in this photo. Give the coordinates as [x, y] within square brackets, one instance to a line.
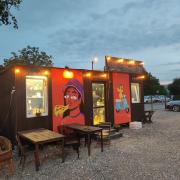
[121, 96]
[63, 94]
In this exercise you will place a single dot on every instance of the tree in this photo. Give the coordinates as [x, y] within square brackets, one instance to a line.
[174, 87]
[152, 86]
[29, 55]
[6, 17]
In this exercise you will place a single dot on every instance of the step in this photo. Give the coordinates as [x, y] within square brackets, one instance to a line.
[113, 130]
[115, 135]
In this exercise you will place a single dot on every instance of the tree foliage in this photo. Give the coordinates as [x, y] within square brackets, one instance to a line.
[29, 55]
[174, 87]
[6, 16]
[152, 86]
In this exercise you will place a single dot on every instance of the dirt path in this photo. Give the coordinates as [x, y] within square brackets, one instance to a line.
[150, 153]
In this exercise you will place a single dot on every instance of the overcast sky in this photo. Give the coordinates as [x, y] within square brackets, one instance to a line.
[75, 31]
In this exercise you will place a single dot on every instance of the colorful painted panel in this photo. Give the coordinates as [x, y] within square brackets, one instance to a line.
[67, 98]
[121, 94]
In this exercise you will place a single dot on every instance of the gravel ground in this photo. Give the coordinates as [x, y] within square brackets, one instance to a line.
[151, 153]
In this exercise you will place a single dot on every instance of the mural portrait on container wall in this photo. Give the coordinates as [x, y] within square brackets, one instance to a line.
[74, 101]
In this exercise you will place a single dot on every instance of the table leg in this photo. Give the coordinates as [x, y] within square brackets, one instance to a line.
[62, 150]
[101, 141]
[89, 153]
[36, 156]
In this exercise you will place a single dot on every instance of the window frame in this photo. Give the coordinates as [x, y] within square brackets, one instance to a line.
[137, 92]
[45, 95]
[98, 107]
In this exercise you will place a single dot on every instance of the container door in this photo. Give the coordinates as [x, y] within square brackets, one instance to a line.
[98, 94]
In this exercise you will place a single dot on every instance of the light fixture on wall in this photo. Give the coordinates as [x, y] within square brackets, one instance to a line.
[46, 73]
[132, 62]
[140, 77]
[121, 60]
[141, 63]
[104, 75]
[68, 74]
[17, 70]
[108, 58]
[88, 74]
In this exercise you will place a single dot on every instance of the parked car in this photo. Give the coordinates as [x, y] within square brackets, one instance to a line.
[173, 105]
[162, 98]
[147, 99]
[156, 99]
[168, 99]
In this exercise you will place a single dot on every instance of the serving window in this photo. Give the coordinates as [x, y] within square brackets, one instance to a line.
[36, 96]
[135, 93]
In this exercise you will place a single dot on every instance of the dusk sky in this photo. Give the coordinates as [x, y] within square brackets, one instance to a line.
[75, 31]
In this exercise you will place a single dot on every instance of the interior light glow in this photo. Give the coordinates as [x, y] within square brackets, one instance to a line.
[36, 77]
[142, 63]
[68, 74]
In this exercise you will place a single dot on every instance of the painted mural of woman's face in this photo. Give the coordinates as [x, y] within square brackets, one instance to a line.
[72, 98]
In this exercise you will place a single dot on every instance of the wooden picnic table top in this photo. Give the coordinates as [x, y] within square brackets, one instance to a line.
[37, 136]
[83, 128]
[86, 130]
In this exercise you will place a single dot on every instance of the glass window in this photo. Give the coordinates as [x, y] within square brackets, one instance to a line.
[98, 94]
[99, 115]
[98, 103]
[36, 96]
[135, 92]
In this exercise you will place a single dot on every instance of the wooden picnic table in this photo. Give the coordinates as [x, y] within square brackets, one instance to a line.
[86, 130]
[39, 137]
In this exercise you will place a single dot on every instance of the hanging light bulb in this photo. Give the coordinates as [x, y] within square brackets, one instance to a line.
[68, 74]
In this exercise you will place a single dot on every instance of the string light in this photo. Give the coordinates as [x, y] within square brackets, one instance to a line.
[46, 73]
[68, 74]
[121, 60]
[104, 75]
[108, 58]
[88, 74]
[17, 70]
[141, 77]
[131, 62]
